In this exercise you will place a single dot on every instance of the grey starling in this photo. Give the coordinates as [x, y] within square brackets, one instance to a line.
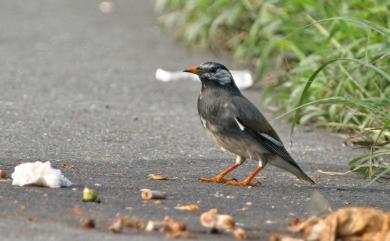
[236, 125]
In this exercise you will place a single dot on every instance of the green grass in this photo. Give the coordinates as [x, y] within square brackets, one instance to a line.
[331, 59]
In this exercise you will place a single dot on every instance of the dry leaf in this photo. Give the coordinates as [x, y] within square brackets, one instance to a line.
[189, 207]
[157, 177]
[357, 223]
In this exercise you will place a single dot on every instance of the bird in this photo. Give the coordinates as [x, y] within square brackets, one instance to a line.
[236, 125]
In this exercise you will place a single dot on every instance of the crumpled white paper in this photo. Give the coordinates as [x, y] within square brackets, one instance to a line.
[39, 174]
[242, 78]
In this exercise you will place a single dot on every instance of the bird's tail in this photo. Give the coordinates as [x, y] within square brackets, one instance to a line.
[291, 167]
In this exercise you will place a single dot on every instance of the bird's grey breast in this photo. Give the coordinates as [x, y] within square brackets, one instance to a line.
[213, 111]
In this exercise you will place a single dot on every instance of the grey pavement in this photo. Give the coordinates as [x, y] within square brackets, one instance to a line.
[77, 87]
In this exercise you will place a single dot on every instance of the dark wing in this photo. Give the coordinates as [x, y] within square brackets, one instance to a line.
[250, 117]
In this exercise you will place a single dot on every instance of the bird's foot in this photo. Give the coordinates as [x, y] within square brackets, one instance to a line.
[243, 183]
[217, 179]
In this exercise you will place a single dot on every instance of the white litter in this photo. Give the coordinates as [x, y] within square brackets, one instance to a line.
[242, 78]
[39, 174]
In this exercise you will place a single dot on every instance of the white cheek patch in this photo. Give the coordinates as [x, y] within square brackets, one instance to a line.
[223, 76]
[239, 124]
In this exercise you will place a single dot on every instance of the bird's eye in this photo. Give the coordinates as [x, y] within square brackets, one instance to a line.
[214, 69]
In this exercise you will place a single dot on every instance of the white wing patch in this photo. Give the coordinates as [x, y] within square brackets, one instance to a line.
[239, 124]
[270, 138]
[203, 122]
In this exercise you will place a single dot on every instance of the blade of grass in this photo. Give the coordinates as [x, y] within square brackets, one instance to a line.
[314, 75]
[385, 125]
[382, 174]
[359, 22]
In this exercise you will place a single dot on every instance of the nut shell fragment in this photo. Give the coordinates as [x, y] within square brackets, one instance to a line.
[3, 174]
[277, 237]
[172, 225]
[154, 226]
[87, 223]
[189, 207]
[225, 221]
[134, 223]
[212, 219]
[117, 226]
[239, 234]
[169, 226]
[181, 234]
[148, 194]
[157, 177]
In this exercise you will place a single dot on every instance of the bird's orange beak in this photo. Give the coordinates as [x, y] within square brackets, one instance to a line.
[193, 70]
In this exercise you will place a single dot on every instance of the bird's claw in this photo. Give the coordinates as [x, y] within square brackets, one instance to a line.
[217, 180]
[243, 183]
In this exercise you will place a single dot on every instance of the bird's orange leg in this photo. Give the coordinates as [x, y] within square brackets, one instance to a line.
[247, 181]
[220, 176]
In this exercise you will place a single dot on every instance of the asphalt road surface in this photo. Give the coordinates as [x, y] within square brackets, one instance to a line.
[77, 88]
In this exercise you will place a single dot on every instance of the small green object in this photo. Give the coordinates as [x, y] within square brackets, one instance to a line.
[89, 194]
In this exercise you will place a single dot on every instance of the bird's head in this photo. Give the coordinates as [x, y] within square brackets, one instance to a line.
[211, 73]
